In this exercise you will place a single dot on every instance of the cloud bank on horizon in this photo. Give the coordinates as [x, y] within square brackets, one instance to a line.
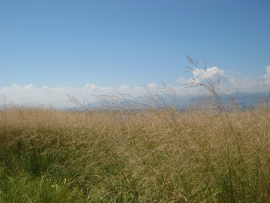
[31, 94]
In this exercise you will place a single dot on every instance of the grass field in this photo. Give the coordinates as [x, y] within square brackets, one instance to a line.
[202, 154]
[133, 152]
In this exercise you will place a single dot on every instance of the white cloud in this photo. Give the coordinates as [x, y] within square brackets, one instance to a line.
[266, 77]
[202, 75]
[227, 81]
[268, 70]
[26, 87]
[30, 87]
[183, 81]
[58, 96]
[152, 85]
[136, 88]
[123, 87]
[90, 87]
[107, 88]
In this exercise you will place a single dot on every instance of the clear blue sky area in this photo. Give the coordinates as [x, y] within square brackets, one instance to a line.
[111, 43]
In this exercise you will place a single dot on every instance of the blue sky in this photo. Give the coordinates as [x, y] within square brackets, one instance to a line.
[56, 47]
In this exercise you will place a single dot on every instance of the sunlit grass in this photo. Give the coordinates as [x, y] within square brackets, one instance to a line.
[148, 152]
[161, 155]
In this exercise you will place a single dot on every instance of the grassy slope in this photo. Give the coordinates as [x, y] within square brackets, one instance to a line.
[156, 156]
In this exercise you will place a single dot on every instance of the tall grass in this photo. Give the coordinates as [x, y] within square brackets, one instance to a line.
[137, 152]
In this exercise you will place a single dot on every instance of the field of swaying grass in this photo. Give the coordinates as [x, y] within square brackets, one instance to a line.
[132, 152]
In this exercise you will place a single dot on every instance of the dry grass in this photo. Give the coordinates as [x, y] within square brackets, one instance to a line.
[159, 155]
[140, 153]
